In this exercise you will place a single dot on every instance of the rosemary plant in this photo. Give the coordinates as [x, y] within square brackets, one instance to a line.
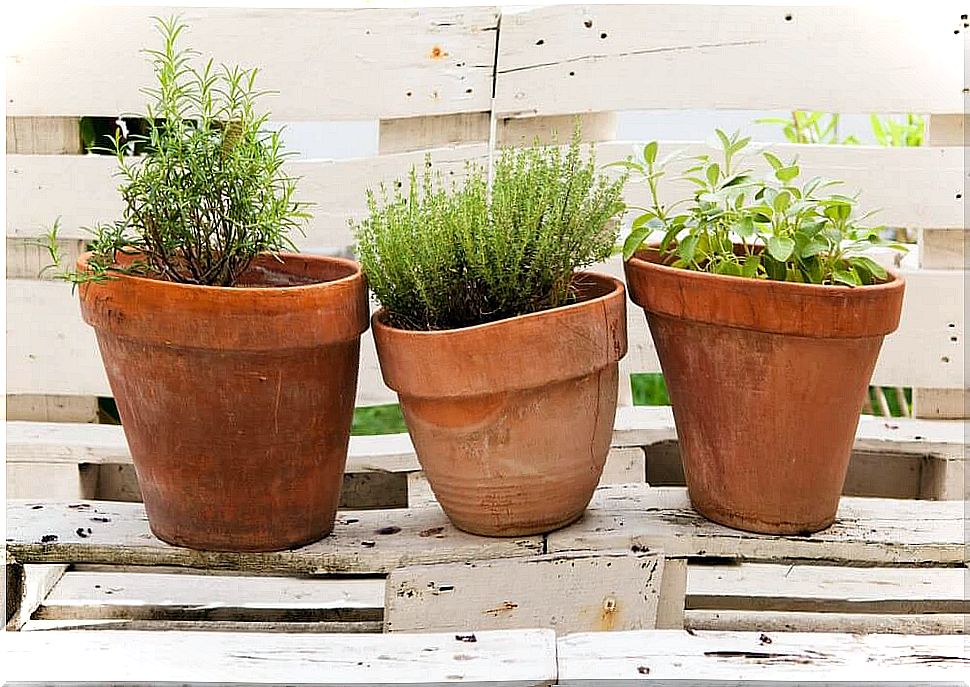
[763, 227]
[443, 259]
[210, 193]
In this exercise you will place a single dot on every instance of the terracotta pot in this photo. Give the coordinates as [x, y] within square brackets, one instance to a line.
[767, 380]
[236, 402]
[512, 420]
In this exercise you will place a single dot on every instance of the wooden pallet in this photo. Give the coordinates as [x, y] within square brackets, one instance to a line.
[517, 658]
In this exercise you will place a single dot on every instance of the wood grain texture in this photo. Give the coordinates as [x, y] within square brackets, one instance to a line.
[363, 542]
[152, 596]
[387, 63]
[855, 623]
[43, 135]
[877, 532]
[575, 58]
[46, 408]
[575, 592]
[521, 658]
[822, 588]
[83, 189]
[664, 655]
[257, 626]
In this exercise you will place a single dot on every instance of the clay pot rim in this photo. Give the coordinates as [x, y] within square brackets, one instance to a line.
[618, 287]
[897, 281]
[356, 274]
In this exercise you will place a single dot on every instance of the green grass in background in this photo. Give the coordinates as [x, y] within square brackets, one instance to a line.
[386, 419]
[649, 390]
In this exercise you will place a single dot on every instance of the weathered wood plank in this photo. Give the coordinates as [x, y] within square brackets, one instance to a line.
[51, 480]
[35, 408]
[311, 627]
[83, 189]
[403, 135]
[771, 587]
[867, 531]
[43, 135]
[578, 592]
[57, 354]
[189, 597]
[524, 657]
[576, 58]
[856, 623]
[29, 592]
[665, 655]
[387, 63]
[944, 249]
[365, 542]
[28, 259]
[941, 404]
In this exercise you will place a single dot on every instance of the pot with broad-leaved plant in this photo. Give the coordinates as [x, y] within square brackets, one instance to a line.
[768, 317]
[233, 362]
[503, 355]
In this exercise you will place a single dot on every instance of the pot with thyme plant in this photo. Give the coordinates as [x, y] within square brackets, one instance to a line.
[233, 362]
[504, 357]
[768, 318]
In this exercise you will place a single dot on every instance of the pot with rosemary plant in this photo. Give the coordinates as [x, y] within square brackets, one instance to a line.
[504, 357]
[233, 362]
[768, 318]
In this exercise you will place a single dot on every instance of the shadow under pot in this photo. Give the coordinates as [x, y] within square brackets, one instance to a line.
[512, 420]
[236, 402]
[767, 381]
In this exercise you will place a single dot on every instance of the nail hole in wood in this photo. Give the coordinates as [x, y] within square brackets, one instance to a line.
[788, 17]
[540, 42]
[588, 23]
[603, 35]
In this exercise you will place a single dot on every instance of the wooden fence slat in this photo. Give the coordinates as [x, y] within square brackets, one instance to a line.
[576, 592]
[856, 623]
[362, 542]
[43, 135]
[81, 189]
[575, 58]
[516, 657]
[387, 63]
[786, 657]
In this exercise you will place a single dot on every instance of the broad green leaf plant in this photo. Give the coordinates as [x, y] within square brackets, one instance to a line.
[742, 224]
[209, 194]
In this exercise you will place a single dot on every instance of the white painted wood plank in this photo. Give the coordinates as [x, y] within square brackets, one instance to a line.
[526, 657]
[50, 480]
[773, 587]
[57, 354]
[38, 580]
[915, 187]
[82, 190]
[159, 596]
[856, 623]
[127, 624]
[635, 426]
[577, 58]
[666, 655]
[363, 542]
[35, 408]
[578, 592]
[386, 63]
[866, 531]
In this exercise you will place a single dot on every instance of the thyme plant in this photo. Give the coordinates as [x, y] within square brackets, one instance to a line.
[440, 258]
[763, 227]
[210, 192]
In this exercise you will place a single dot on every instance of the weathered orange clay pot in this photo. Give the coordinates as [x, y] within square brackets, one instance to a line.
[766, 380]
[236, 402]
[512, 420]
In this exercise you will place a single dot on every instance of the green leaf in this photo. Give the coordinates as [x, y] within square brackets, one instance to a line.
[627, 164]
[775, 163]
[786, 174]
[780, 247]
[713, 172]
[650, 152]
[847, 277]
[634, 241]
[871, 266]
[687, 248]
[735, 180]
[781, 201]
[750, 267]
[725, 141]
[728, 268]
[745, 228]
[642, 219]
[812, 247]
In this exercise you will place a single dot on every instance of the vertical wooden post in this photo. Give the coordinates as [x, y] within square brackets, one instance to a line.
[944, 249]
[13, 593]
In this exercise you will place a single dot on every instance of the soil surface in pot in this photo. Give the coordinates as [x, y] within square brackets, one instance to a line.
[767, 381]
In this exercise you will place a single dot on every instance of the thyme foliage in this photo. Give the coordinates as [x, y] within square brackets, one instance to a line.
[440, 258]
[210, 193]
